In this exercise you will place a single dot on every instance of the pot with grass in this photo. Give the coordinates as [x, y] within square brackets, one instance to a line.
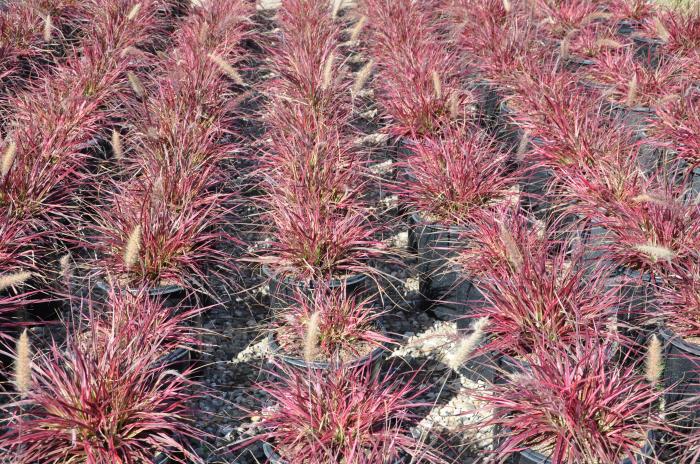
[176, 330]
[161, 233]
[448, 181]
[650, 241]
[630, 16]
[533, 291]
[680, 334]
[328, 327]
[633, 93]
[316, 244]
[129, 408]
[580, 47]
[678, 128]
[341, 415]
[542, 413]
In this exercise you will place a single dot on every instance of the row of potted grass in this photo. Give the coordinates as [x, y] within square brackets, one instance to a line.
[642, 225]
[113, 393]
[560, 296]
[35, 34]
[52, 128]
[315, 217]
[326, 402]
[160, 223]
[616, 138]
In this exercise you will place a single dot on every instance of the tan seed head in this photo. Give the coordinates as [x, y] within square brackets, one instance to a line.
[8, 158]
[654, 361]
[133, 246]
[23, 363]
[311, 337]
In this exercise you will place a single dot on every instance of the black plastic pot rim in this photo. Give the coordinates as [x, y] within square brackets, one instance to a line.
[321, 365]
[636, 274]
[160, 290]
[275, 458]
[578, 60]
[648, 40]
[587, 83]
[332, 283]
[635, 109]
[417, 219]
[677, 341]
[647, 451]
[170, 359]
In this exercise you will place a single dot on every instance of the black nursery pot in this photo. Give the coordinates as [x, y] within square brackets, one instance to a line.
[627, 27]
[375, 356]
[283, 289]
[648, 51]
[489, 101]
[170, 295]
[693, 184]
[574, 63]
[271, 455]
[681, 377]
[635, 315]
[444, 290]
[274, 458]
[533, 457]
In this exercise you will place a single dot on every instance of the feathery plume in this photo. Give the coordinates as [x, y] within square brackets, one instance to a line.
[117, 144]
[363, 76]
[653, 361]
[650, 198]
[437, 84]
[661, 30]
[328, 72]
[133, 246]
[10, 280]
[655, 252]
[610, 43]
[594, 17]
[226, 68]
[23, 361]
[134, 11]
[513, 255]
[136, 84]
[454, 104]
[522, 146]
[336, 8]
[66, 267]
[508, 6]
[632, 91]
[466, 345]
[7, 159]
[565, 44]
[359, 26]
[311, 338]
[48, 28]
